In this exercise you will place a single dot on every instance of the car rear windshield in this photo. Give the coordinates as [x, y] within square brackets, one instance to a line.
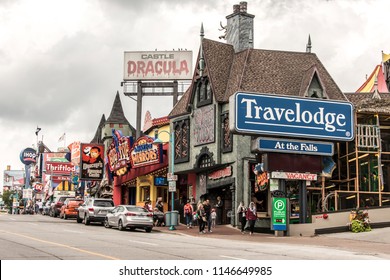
[103, 203]
[136, 209]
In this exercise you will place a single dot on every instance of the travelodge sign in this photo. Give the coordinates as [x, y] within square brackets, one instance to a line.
[267, 114]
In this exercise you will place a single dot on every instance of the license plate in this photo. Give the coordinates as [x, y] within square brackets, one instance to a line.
[103, 212]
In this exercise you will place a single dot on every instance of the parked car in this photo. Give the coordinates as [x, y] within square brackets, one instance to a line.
[129, 216]
[56, 206]
[69, 208]
[94, 210]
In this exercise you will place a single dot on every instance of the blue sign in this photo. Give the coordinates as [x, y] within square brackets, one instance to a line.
[291, 116]
[294, 146]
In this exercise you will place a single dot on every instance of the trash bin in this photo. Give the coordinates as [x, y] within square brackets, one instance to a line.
[174, 218]
[171, 218]
[167, 219]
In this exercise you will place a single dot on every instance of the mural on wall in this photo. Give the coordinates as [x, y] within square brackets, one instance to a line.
[204, 125]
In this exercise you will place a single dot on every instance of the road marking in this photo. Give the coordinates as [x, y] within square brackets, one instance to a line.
[33, 224]
[63, 245]
[12, 219]
[74, 231]
[229, 257]
[146, 243]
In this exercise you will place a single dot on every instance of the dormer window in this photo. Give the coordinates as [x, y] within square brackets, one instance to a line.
[203, 92]
[315, 89]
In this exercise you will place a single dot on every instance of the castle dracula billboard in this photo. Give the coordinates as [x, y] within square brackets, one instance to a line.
[165, 65]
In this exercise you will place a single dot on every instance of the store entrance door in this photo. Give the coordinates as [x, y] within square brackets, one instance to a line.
[224, 215]
[296, 191]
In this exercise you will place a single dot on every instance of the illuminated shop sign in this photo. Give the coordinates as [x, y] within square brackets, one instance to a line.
[28, 156]
[291, 116]
[294, 176]
[59, 168]
[118, 153]
[145, 152]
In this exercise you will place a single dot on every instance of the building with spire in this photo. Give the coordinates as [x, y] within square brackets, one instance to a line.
[210, 160]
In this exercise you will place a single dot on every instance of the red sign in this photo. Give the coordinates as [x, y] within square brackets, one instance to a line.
[218, 174]
[59, 168]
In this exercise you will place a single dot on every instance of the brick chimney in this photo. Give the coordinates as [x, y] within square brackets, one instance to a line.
[239, 29]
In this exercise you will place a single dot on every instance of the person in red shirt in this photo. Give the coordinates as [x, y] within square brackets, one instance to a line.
[251, 216]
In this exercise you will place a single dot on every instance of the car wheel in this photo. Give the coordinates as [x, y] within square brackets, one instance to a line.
[86, 220]
[148, 229]
[120, 226]
[106, 224]
[78, 219]
[132, 228]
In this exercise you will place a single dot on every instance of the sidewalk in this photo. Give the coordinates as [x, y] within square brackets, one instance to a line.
[220, 231]
[376, 241]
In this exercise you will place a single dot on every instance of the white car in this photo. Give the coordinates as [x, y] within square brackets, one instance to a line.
[129, 216]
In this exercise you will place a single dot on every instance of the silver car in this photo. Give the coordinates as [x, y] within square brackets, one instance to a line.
[129, 216]
[94, 210]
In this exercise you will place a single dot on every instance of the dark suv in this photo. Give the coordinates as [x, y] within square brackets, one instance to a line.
[55, 208]
[94, 210]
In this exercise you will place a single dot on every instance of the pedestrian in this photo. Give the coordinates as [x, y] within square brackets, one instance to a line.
[242, 216]
[207, 210]
[188, 210]
[218, 207]
[251, 216]
[213, 218]
[201, 218]
[148, 206]
[159, 204]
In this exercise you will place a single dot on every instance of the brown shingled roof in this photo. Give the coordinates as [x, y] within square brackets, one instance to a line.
[365, 102]
[257, 70]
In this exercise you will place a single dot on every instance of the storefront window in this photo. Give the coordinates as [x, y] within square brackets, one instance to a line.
[145, 193]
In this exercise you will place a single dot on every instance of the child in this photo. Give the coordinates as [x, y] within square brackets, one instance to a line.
[213, 217]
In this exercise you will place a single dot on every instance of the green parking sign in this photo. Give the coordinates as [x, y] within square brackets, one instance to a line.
[279, 213]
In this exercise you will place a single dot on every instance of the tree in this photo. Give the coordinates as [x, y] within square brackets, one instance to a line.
[8, 198]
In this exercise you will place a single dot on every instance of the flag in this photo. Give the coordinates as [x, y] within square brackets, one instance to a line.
[62, 138]
[37, 131]
[385, 57]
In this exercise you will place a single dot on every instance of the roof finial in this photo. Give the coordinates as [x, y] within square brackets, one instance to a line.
[308, 45]
[201, 58]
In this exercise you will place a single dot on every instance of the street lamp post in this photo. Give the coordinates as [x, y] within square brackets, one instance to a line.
[171, 166]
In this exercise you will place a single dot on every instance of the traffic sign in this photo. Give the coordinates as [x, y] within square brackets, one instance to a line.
[172, 186]
[171, 177]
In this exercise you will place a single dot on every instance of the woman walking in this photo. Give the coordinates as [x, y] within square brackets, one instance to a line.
[242, 216]
[251, 216]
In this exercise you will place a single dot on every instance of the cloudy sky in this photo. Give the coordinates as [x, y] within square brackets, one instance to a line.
[61, 61]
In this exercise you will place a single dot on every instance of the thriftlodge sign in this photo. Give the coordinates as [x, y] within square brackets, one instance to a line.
[267, 114]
